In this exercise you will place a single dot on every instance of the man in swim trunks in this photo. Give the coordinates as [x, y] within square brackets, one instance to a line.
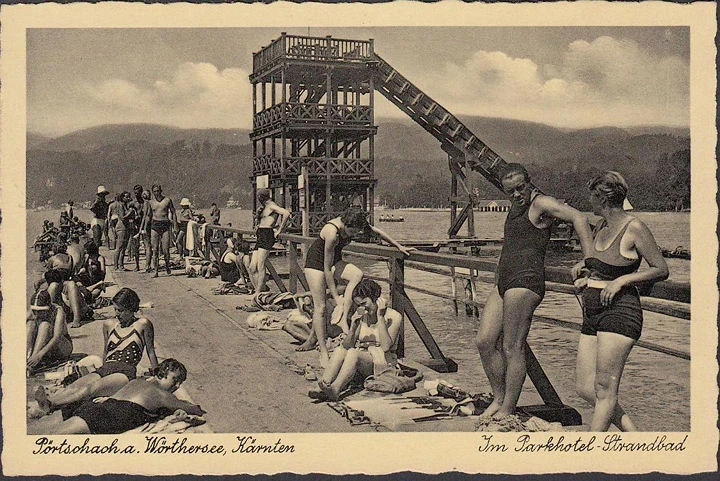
[520, 284]
[100, 211]
[162, 219]
[138, 402]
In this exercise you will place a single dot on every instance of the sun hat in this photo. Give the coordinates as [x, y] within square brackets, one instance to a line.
[102, 190]
[40, 301]
[185, 201]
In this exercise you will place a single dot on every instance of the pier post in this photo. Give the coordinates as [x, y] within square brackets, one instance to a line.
[397, 282]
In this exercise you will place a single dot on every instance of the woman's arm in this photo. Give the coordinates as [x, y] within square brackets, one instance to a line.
[352, 335]
[106, 335]
[383, 235]
[386, 338]
[149, 336]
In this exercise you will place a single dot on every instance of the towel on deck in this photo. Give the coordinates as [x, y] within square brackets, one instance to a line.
[177, 422]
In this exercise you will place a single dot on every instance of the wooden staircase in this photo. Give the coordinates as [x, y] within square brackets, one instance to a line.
[455, 137]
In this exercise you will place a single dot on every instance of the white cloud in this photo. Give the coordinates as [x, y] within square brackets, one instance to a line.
[195, 95]
[603, 82]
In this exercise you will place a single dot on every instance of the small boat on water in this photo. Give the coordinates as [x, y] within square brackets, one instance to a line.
[390, 218]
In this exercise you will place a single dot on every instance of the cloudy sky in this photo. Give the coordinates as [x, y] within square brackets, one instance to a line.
[196, 78]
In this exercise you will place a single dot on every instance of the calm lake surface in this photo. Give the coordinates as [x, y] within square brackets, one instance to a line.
[655, 388]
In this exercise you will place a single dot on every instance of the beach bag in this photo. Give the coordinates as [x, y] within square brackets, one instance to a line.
[391, 381]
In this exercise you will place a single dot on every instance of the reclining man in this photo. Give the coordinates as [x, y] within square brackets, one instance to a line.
[138, 402]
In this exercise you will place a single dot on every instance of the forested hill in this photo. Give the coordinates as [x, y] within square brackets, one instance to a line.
[211, 165]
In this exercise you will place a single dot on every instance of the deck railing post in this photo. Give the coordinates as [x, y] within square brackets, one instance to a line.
[397, 282]
[292, 261]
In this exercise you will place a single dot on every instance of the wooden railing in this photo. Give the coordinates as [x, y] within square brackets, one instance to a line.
[311, 114]
[325, 49]
[317, 166]
[558, 280]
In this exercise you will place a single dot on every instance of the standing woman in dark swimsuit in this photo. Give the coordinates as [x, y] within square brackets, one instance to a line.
[612, 315]
[125, 339]
[265, 220]
[324, 266]
[520, 285]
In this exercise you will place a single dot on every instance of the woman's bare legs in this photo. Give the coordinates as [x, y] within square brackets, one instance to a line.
[352, 275]
[612, 352]
[83, 389]
[316, 282]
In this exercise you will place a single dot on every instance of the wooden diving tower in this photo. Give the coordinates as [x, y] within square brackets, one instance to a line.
[313, 126]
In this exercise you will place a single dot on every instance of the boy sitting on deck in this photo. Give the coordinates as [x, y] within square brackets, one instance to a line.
[138, 402]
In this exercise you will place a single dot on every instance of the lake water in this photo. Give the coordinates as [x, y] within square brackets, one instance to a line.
[655, 388]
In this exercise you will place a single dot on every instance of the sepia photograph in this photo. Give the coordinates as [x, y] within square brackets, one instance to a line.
[254, 235]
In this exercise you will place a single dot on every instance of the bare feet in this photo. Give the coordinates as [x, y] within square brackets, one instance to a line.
[75, 324]
[493, 408]
[328, 390]
[42, 400]
[502, 414]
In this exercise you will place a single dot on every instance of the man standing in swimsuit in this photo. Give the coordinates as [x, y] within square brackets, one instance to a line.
[520, 285]
[162, 219]
[100, 211]
[133, 405]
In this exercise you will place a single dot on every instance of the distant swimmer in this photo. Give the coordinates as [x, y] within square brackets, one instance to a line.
[162, 220]
[520, 284]
[324, 267]
[612, 314]
[138, 402]
[267, 230]
[99, 210]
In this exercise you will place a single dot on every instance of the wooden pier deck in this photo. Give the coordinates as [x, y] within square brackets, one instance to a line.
[245, 379]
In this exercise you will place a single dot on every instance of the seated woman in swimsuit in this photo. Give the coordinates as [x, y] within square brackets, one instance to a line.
[266, 219]
[138, 402]
[48, 341]
[612, 315]
[92, 273]
[235, 262]
[324, 267]
[125, 340]
[369, 347]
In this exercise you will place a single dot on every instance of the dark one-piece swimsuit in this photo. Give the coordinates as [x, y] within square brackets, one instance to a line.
[522, 259]
[315, 258]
